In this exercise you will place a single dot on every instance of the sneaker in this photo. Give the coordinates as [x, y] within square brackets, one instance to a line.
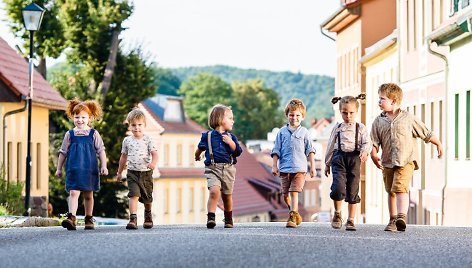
[148, 220]
[391, 226]
[228, 222]
[89, 223]
[291, 221]
[211, 223]
[350, 226]
[401, 222]
[70, 223]
[337, 221]
[133, 222]
[298, 218]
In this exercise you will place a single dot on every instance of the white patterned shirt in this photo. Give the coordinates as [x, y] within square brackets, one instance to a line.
[138, 152]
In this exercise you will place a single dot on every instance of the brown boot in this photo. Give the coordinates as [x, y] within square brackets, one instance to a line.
[147, 220]
[89, 223]
[133, 222]
[70, 223]
[291, 222]
[229, 223]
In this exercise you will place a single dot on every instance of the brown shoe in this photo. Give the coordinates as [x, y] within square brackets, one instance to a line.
[211, 223]
[89, 223]
[350, 225]
[391, 226]
[291, 221]
[70, 223]
[401, 222]
[147, 220]
[337, 221]
[298, 218]
[133, 222]
[228, 222]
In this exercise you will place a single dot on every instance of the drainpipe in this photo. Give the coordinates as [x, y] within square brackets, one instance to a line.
[446, 82]
[5, 127]
[323, 33]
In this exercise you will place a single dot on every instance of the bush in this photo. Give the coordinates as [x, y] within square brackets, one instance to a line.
[10, 196]
[3, 211]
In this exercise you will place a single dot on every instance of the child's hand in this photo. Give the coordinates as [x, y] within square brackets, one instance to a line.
[59, 173]
[376, 161]
[275, 171]
[440, 150]
[363, 156]
[104, 171]
[227, 139]
[118, 178]
[151, 166]
[327, 170]
[312, 173]
[198, 157]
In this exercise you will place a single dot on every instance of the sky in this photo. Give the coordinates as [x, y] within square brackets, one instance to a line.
[276, 35]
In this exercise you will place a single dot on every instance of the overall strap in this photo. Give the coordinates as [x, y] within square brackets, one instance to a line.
[339, 138]
[212, 160]
[357, 134]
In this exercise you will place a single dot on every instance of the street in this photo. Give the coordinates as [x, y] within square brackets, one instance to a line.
[247, 245]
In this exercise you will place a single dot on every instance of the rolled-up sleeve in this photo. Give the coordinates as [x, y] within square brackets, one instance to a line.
[374, 134]
[203, 144]
[366, 143]
[65, 144]
[421, 131]
[98, 142]
[277, 146]
[238, 150]
[309, 148]
[330, 147]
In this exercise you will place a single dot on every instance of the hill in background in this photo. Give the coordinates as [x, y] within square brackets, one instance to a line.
[316, 91]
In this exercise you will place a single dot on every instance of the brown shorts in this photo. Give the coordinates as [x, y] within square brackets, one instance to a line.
[397, 179]
[292, 182]
[140, 184]
[221, 175]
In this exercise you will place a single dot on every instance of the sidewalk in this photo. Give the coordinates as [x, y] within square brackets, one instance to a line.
[23, 221]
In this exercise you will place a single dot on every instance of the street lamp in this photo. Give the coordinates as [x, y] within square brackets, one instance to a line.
[32, 16]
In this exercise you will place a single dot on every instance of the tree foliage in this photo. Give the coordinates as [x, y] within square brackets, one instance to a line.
[202, 92]
[167, 82]
[257, 109]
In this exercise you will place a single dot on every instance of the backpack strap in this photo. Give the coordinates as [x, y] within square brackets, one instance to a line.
[339, 138]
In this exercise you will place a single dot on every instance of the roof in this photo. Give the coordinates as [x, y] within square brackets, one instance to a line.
[157, 106]
[14, 73]
[181, 172]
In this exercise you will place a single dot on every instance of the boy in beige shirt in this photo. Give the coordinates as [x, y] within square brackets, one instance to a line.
[396, 130]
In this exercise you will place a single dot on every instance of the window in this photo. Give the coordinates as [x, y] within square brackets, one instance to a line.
[19, 161]
[166, 201]
[38, 166]
[178, 200]
[441, 121]
[179, 155]
[432, 127]
[190, 199]
[467, 125]
[166, 155]
[9, 161]
[191, 154]
[456, 127]
[203, 199]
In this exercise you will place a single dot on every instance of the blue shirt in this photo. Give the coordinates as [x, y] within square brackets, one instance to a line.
[292, 148]
[222, 153]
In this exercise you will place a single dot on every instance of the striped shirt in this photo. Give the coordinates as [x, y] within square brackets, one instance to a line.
[397, 138]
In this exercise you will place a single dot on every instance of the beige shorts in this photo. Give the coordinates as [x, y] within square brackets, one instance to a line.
[397, 179]
[221, 175]
[292, 182]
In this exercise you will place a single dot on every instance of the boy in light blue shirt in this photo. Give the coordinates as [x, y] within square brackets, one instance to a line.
[292, 148]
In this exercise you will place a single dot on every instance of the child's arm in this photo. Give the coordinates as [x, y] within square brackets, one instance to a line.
[153, 163]
[275, 168]
[311, 159]
[60, 164]
[121, 166]
[103, 163]
[198, 153]
[375, 158]
[229, 140]
[434, 140]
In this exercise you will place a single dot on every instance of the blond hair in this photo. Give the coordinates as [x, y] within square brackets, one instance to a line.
[134, 115]
[348, 100]
[293, 105]
[392, 91]
[91, 107]
[217, 115]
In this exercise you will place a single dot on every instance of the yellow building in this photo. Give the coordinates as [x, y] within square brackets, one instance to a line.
[14, 87]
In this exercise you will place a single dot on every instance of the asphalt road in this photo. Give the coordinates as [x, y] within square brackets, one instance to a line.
[247, 245]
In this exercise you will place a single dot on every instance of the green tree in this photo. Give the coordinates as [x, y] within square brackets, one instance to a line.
[257, 109]
[202, 92]
[49, 40]
[167, 82]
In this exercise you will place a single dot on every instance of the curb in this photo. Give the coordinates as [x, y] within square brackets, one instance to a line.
[17, 221]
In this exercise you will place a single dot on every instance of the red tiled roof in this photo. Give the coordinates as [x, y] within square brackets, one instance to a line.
[14, 72]
[188, 126]
[181, 173]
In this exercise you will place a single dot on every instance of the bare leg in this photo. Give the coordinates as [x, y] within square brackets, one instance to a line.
[88, 203]
[73, 201]
[392, 205]
[351, 208]
[213, 198]
[148, 206]
[228, 202]
[403, 202]
[337, 205]
[133, 204]
[287, 200]
[294, 202]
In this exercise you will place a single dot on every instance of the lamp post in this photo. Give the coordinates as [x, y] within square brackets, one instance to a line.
[32, 16]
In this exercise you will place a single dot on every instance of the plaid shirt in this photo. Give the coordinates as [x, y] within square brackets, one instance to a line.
[397, 138]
